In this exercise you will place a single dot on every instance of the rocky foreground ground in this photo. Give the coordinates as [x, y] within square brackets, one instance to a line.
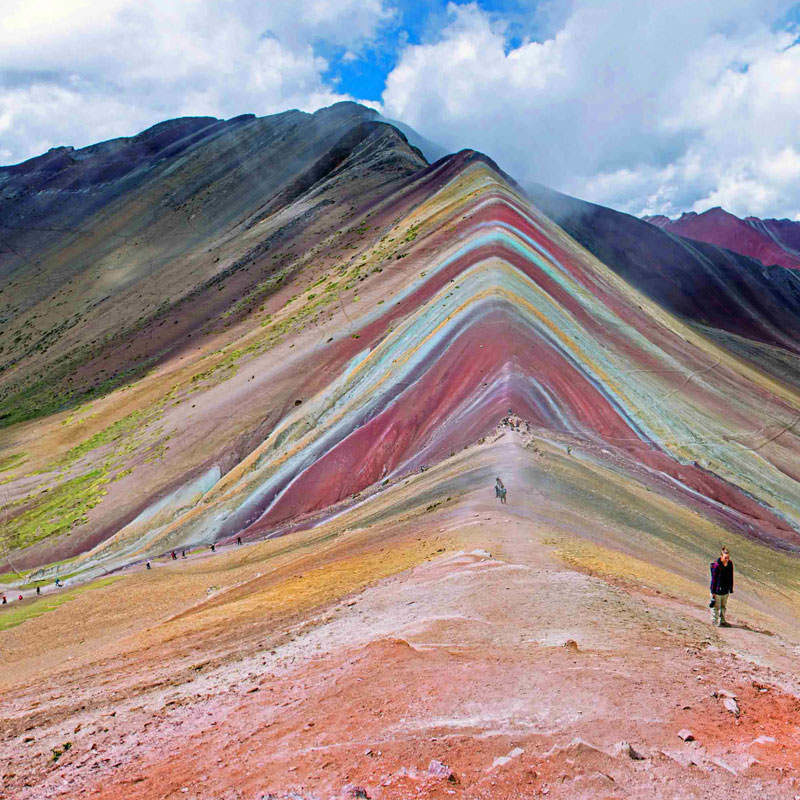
[424, 643]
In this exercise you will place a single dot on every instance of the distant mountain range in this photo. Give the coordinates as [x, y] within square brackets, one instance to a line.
[771, 241]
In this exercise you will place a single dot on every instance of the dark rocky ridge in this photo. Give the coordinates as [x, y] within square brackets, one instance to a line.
[700, 282]
[102, 245]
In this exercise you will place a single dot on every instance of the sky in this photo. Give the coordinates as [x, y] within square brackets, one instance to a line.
[647, 107]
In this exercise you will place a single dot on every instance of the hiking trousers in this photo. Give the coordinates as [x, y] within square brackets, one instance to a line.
[720, 606]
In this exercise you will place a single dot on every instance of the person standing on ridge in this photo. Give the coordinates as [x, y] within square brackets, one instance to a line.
[721, 587]
[500, 491]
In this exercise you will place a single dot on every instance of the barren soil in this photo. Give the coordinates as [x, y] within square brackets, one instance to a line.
[445, 650]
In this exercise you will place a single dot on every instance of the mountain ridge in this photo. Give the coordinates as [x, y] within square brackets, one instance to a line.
[353, 194]
[771, 241]
[220, 161]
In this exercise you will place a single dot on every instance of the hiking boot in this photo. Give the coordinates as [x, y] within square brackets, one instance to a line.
[724, 624]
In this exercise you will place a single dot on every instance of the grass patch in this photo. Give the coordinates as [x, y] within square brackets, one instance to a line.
[58, 511]
[16, 613]
[55, 393]
[412, 232]
[11, 461]
[113, 433]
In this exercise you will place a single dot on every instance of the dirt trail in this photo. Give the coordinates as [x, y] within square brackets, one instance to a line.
[481, 666]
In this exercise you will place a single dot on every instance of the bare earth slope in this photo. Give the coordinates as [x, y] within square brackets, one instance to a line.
[526, 647]
[380, 339]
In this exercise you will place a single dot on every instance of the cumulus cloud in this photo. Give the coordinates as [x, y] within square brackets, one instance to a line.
[77, 71]
[651, 108]
[647, 107]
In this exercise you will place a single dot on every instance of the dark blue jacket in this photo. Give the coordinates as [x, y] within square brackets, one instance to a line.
[721, 577]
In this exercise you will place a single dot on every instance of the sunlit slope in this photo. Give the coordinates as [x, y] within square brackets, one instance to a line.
[461, 305]
[508, 315]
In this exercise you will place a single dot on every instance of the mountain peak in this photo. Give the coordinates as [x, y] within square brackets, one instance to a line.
[772, 242]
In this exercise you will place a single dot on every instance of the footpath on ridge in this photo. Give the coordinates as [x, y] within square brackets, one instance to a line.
[428, 642]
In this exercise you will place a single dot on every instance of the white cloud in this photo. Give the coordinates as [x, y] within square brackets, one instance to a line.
[77, 71]
[647, 107]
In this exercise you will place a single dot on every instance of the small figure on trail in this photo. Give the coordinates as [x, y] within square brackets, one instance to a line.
[19, 598]
[721, 587]
[148, 565]
[58, 583]
[4, 600]
[500, 491]
[38, 589]
[183, 554]
[174, 556]
[213, 548]
[238, 540]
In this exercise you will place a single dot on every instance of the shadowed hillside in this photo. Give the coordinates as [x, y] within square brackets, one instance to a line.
[116, 255]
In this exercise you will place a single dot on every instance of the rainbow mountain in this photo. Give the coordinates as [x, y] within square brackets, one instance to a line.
[258, 378]
[350, 325]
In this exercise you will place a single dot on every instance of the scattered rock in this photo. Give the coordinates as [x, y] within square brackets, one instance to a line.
[731, 705]
[627, 749]
[501, 761]
[355, 791]
[728, 700]
[572, 646]
[439, 770]
[686, 735]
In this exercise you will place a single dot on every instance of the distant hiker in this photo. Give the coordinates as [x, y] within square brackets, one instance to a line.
[148, 565]
[4, 600]
[38, 590]
[19, 598]
[721, 587]
[213, 548]
[183, 554]
[238, 540]
[58, 583]
[174, 556]
[500, 491]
